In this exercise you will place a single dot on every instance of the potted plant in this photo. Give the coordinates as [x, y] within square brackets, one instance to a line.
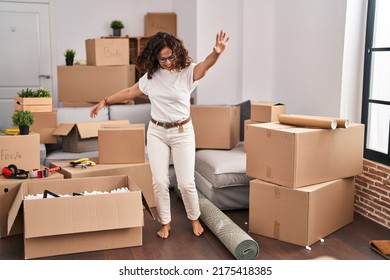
[39, 100]
[116, 26]
[23, 120]
[69, 56]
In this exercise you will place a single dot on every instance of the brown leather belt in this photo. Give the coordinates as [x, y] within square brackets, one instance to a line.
[171, 125]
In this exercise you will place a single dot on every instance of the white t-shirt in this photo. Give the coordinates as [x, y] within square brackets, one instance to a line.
[169, 93]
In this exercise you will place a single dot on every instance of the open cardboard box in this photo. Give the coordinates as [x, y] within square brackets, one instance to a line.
[81, 223]
[139, 172]
[79, 137]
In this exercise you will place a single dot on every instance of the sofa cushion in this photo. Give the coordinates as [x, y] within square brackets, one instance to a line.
[228, 198]
[223, 168]
[79, 114]
[139, 113]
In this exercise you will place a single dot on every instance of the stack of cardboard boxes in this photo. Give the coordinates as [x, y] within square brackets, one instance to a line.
[107, 71]
[303, 186]
[78, 223]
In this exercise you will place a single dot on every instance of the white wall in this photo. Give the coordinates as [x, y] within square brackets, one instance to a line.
[258, 50]
[304, 53]
[223, 83]
[353, 62]
[308, 59]
[75, 20]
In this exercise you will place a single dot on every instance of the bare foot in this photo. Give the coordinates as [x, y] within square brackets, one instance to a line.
[197, 228]
[164, 231]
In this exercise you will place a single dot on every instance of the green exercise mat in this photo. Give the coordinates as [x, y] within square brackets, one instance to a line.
[236, 240]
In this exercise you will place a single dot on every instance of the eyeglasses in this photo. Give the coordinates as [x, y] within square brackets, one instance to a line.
[165, 59]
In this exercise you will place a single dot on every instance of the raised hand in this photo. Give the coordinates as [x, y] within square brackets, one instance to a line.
[221, 42]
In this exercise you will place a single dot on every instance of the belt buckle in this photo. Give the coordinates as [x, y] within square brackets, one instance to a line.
[164, 125]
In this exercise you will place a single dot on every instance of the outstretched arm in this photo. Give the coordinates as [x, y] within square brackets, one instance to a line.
[122, 95]
[201, 68]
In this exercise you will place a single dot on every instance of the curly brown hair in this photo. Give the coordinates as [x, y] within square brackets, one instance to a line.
[147, 60]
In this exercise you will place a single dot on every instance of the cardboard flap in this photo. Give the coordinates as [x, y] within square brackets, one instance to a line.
[119, 126]
[146, 205]
[68, 215]
[90, 129]
[86, 129]
[13, 211]
[63, 129]
[268, 103]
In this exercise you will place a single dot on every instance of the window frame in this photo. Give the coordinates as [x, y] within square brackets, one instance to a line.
[366, 101]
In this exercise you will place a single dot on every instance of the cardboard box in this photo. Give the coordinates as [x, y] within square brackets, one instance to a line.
[156, 22]
[82, 136]
[266, 111]
[246, 123]
[296, 157]
[216, 127]
[20, 150]
[139, 172]
[81, 223]
[93, 83]
[107, 52]
[8, 190]
[122, 143]
[301, 216]
[44, 124]
[37, 104]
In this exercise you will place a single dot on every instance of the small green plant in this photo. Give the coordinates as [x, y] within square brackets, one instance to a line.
[40, 92]
[20, 118]
[70, 53]
[116, 24]
[26, 93]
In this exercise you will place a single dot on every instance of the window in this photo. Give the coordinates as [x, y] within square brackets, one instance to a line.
[376, 84]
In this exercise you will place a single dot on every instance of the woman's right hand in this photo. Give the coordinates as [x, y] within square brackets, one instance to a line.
[95, 109]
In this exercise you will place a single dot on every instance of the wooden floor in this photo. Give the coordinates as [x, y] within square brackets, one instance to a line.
[349, 243]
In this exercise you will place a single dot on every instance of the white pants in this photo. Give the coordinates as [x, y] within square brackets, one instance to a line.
[161, 144]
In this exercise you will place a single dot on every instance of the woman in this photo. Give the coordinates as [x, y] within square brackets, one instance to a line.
[170, 78]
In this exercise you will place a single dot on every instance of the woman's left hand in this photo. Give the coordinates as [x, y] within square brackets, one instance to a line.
[221, 42]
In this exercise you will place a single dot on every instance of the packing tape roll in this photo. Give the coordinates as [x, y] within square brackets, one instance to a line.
[310, 121]
[236, 240]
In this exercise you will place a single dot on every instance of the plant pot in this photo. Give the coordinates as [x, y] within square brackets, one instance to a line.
[116, 32]
[69, 61]
[24, 130]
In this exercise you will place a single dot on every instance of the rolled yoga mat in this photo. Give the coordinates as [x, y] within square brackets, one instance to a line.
[237, 241]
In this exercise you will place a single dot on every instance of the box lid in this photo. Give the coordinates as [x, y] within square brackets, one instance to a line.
[86, 129]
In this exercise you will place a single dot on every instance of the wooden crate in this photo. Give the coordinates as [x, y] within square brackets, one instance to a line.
[34, 104]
